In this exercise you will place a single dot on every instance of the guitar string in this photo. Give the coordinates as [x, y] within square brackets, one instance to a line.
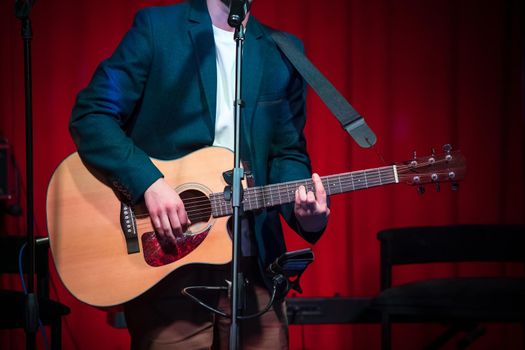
[370, 177]
[199, 207]
[203, 202]
[200, 215]
[222, 209]
[196, 206]
[276, 189]
[370, 174]
[149, 225]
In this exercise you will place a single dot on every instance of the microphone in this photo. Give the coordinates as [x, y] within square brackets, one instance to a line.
[238, 11]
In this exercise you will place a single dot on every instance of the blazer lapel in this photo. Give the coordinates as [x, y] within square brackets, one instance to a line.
[201, 34]
[253, 68]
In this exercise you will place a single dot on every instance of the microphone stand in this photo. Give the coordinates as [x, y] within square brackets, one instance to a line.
[22, 10]
[238, 175]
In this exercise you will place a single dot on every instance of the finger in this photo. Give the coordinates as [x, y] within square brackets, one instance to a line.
[310, 200]
[175, 223]
[155, 220]
[320, 192]
[187, 218]
[302, 194]
[183, 219]
[166, 227]
[297, 200]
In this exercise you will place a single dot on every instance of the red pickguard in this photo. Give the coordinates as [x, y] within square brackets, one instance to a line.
[157, 254]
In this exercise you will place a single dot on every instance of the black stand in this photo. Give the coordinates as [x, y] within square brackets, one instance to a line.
[236, 198]
[22, 10]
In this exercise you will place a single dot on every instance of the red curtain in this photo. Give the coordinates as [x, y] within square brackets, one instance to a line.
[423, 73]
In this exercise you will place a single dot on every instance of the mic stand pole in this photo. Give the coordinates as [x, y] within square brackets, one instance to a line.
[22, 9]
[238, 175]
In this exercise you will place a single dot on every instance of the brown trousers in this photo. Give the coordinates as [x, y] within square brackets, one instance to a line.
[164, 319]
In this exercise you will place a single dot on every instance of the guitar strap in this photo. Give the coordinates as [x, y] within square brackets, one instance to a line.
[348, 117]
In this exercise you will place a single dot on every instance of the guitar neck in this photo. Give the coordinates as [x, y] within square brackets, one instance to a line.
[276, 194]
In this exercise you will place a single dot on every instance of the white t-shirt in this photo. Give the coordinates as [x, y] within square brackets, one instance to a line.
[224, 124]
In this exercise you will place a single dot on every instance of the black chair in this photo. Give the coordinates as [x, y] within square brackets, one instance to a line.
[13, 302]
[462, 302]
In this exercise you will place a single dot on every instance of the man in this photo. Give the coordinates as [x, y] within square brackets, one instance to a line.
[167, 91]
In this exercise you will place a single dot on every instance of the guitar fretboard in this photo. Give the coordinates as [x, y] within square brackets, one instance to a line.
[276, 194]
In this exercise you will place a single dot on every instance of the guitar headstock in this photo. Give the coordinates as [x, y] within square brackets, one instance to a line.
[448, 166]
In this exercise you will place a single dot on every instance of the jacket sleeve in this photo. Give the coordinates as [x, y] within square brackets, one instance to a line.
[105, 108]
[289, 158]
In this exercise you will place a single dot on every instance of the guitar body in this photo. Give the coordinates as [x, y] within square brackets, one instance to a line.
[86, 233]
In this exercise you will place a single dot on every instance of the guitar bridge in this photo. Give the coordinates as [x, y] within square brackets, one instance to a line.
[129, 228]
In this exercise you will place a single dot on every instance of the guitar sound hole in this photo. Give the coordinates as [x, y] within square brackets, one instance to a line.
[197, 204]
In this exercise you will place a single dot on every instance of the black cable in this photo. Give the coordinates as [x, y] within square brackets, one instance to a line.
[186, 292]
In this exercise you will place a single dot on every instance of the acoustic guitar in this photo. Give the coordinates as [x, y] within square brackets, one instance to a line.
[106, 251]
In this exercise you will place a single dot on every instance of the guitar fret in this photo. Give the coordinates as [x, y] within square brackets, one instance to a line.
[221, 207]
[265, 196]
[290, 193]
[260, 197]
[305, 184]
[359, 176]
[255, 199]
[213, 206]
[253, 192]
[363, 175]
[246, 196]
[248, 193]
[327, 186]
[330, 185]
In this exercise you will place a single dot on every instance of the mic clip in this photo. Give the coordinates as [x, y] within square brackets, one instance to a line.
[286, 270]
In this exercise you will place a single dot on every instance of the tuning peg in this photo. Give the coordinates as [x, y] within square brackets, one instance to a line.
[413, 163]
[455, 186]
[447, 149]
[438, 187]
[421, 190]
[432, 159]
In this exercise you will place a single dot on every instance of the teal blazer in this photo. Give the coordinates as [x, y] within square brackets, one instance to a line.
[156, 97]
